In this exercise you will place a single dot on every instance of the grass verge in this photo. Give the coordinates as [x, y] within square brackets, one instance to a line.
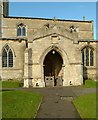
[10, 84]
[20, 104]
[86, 105]
[90, 84]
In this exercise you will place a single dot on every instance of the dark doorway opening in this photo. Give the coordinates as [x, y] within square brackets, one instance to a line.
[53, 72]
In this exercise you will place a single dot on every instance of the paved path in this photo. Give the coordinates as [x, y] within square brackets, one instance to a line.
[57, 101]
[57, 104]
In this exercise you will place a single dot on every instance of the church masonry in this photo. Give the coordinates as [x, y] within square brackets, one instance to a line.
[46, 52]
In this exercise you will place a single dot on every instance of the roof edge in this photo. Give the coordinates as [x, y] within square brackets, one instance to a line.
[89, 40]
[14, 39]
[15, 17]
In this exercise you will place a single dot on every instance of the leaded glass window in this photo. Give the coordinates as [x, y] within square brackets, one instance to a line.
[18, 31]
[91, 57]
[7, 57]
[87, 56]
[4, 58]
[21, 30]
[10, 57]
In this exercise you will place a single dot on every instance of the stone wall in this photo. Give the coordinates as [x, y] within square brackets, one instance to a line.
[85, 28]
[17, 71]
[72, 70]
[28, 62]
[1, 14]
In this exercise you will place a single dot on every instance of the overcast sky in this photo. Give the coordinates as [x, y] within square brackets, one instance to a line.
[60, 10]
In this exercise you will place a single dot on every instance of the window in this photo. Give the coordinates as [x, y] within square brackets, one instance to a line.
[87, 56]
[7, 57]
[21, 30]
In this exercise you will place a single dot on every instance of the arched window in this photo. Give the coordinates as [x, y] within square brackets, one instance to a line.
[7, 57]
[4, 58]
[91, 58]
[21, 30]
[87, 56]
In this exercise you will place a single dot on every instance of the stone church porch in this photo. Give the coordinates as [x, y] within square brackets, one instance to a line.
[53, 72]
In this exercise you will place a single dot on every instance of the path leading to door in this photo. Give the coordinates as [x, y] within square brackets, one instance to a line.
[57, 104]
[57, 101]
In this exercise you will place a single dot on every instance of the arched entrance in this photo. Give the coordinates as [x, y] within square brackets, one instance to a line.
[53, 72]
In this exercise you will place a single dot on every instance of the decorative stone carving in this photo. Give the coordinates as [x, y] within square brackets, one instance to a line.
[73, 29]
[47, 25]
[54, 39]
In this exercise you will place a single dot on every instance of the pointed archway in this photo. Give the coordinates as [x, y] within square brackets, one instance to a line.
[53, 72]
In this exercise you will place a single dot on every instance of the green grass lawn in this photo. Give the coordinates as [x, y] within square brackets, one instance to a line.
[86, 105]
[90, 84]
[0, 105]
[20, 104]
[10, 84]
[16, 84]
